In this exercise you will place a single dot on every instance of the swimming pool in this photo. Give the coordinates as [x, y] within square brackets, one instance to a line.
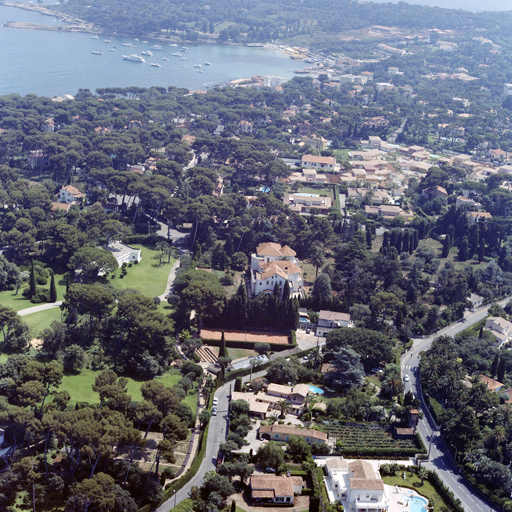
[416, 503]
[315, 390]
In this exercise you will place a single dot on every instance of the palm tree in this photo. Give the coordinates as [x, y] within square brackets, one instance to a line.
[392, 386]
[284, 406]
[422, 473]
[498, 436]
[317, 258]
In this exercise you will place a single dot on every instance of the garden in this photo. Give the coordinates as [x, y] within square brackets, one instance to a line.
[371, 440]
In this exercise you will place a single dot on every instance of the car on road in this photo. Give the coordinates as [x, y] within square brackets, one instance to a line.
[406, 378]
[305, 358]
[215, 401]
[377, 370]
[214, 411]
[270, 470]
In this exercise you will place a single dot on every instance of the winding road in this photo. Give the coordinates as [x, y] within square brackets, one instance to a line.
[439, 457]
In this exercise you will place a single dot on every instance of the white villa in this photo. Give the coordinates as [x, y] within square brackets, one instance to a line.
[124, 253]
[500, 328]
[272, 264]
[356, 485]
[70, 195]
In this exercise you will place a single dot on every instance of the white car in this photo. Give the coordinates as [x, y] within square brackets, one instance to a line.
[215, 401]
[406, 378]
[214, 411]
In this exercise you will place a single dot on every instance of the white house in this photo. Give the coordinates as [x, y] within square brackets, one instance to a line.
[319, 162]
[329, 320]
[124, 253]
[272, 264]
[500, 328]
[70, 195]
[356, 485]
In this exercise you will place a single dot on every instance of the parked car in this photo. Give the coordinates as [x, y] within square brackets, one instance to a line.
[215, 401]
[406, 378]
[377, 370]
[270, 470]
[214, 411]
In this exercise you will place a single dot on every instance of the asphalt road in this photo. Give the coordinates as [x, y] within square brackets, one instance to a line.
[439, 457]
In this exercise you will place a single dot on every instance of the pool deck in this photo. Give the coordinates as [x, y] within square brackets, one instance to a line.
[397, 502]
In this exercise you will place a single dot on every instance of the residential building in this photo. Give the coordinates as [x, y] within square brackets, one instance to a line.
[468, 202]
[319, 162]
[275, 489]
[70, 195]
[295, 393]
[273, 81]
[492, 384]
[272, 264]
[329, 320]
[256, 408]
[433, 192]
[283, 433]
[306, 203]
[385, 210]
[315, 141]
[309, 175]
[124, 253]
[478, 217]
[357, 485]
[500, 328]
[507, 89]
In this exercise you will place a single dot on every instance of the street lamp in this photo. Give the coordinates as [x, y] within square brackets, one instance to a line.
[455, 458]
[174, 498]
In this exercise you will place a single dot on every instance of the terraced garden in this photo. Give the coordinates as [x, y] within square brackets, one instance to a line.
[371, 440]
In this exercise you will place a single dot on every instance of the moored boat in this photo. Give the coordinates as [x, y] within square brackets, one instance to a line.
[134, 58]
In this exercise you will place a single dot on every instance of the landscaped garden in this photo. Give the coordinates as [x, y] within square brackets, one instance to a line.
[370, 439]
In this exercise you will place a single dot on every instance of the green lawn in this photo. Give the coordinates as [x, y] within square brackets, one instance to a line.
[80, 387]
[237, 353]
[148, 276]
[41, 320]
[413, 482]
[17, 302]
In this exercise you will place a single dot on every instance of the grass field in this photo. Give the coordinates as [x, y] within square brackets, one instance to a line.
[148, 276]
[80, 387]
[413, 482]
[236, 353]
[41, 320]
[17, 302]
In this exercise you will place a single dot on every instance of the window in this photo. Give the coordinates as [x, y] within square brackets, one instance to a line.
[276, 436]
[307, 439]
[288, 499]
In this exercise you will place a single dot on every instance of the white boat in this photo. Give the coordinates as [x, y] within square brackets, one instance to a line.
[107, 41]
[183, 58]
[156, 65]
[200, 71]
[176, 54]
[134, 58]
[144, 42]
[94, 37]
[127, 44]
[156, 47]
[95, 52]
[165, 58]
[184, 47]
[198, 66]
[136, 39]
[183, 66]
[147, 52]
[207, 63]
[173, 44]
[113, 50]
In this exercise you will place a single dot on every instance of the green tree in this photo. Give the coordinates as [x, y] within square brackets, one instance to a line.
[33, 286]
[271, 455]
[53, 289]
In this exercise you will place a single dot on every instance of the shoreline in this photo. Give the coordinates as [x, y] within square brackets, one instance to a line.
[77, 25]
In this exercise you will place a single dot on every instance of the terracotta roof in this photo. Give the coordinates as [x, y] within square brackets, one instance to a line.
[271, 272]
[476, 215]
[72, 190]
[492, 385]
[273, 249]
[319, 159]
[264, 486]
[293, 431]
[287, 266]
[60, 206]
[337, 463]
[372, 484]
[364, 477]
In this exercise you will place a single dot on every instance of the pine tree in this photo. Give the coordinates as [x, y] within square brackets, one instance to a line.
[53, 289]
[222, 351]
[33, 285]
[385, 241]
[446, 246]
[481, 251]
[464, 249]
[286, 292]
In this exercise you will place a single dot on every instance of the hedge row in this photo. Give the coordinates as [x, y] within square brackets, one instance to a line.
[143, 239]
[397, 453]
[245, 371]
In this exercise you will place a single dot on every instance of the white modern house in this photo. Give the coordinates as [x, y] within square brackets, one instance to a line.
[329, 320]
[272, 264]
[357, 485]
[124, 253]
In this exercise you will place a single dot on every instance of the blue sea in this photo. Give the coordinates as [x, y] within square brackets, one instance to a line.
[50, 63]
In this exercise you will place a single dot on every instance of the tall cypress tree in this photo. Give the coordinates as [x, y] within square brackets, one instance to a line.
[501, 369]
[368, 237]
[495, 365]
[446, 246]
[53, 289]
[222, 351]
[33, 286]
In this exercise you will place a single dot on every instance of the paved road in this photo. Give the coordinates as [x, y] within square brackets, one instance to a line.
[440, 459]
[41, 307]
